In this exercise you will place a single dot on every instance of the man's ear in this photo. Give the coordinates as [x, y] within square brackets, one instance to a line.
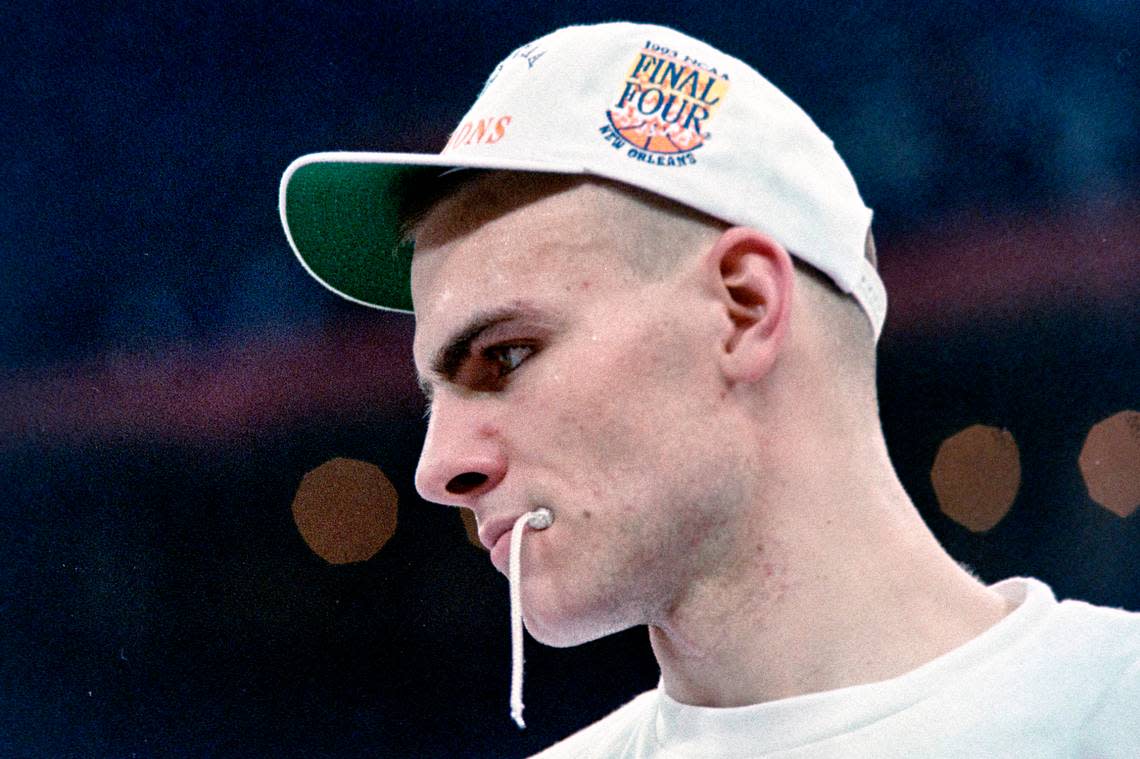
[751, 276]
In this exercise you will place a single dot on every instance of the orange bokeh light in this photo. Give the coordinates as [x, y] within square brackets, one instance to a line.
[345, 510]
[976, 475]
[1110, 462]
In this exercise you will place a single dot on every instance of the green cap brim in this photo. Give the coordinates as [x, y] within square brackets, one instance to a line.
[343, 214]
[343, 219]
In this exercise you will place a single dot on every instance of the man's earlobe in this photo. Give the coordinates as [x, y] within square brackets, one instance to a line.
[754, 282]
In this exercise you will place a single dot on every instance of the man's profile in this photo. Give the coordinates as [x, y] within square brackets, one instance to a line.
[645, 297]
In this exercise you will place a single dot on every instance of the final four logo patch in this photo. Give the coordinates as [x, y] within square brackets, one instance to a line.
[664, 105]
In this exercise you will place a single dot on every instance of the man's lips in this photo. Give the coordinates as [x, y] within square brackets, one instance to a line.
[495, 536]
[501, 552]
[490, 533]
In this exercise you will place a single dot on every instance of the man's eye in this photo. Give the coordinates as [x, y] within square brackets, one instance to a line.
[507, 358]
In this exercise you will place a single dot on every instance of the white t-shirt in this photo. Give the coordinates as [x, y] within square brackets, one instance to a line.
[1050, 680]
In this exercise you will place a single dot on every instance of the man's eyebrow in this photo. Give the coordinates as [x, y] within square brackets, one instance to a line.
[449, 359]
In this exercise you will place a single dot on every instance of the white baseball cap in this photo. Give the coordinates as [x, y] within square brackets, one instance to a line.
[644, 105]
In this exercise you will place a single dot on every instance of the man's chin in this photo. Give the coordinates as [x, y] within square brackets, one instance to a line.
[566, 632]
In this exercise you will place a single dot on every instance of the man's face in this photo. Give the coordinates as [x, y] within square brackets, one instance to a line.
[561, 378]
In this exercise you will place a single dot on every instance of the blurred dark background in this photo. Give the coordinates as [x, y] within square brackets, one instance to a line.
[170, 374]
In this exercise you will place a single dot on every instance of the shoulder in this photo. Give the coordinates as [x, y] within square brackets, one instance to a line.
[1113, 726]
[617, 734]
[1095, 655]
[1112, 656]
[1096, 646]
[1071, 631]
[1099, 633]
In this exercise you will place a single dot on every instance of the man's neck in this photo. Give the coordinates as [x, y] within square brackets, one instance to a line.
[857, 595]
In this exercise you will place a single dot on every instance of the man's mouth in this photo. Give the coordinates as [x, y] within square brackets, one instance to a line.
[500, 552]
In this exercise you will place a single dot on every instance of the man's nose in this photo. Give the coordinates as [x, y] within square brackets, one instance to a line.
[462, 457]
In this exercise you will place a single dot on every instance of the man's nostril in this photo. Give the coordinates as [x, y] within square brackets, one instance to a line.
[461, 484]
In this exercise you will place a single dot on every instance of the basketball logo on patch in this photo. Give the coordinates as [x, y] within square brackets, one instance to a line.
[665, 103]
